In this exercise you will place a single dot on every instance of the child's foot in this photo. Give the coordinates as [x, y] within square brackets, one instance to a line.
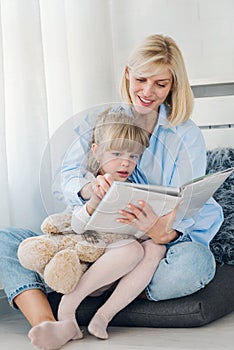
[98, 326]
[50, 335]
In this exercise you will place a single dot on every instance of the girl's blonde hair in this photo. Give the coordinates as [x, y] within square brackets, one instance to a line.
[116, 131]
[151, 57]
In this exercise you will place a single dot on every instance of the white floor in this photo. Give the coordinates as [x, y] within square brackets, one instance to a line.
[217, 335]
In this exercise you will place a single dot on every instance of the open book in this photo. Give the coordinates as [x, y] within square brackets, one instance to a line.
[192, 196]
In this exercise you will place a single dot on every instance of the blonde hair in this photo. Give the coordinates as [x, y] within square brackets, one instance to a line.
[116, 131]
[154, 54]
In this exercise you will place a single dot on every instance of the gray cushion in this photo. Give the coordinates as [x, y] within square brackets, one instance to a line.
[200, 308]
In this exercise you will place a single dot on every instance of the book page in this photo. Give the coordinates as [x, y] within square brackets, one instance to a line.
[173, 191]
[197, 192]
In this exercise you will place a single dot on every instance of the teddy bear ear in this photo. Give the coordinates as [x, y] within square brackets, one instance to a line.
[57, 223]
[48, 226]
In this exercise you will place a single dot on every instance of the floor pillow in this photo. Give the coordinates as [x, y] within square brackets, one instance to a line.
[200, 308]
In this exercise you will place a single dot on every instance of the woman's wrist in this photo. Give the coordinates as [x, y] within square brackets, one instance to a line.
[174, 235]
[167, 237]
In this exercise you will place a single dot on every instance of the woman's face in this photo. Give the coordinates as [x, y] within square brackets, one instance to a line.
[148, 93]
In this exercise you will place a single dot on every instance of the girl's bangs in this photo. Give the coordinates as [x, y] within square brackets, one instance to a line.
[121, 144]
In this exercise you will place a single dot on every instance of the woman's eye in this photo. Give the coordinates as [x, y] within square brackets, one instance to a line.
[141, 80]
[161, 85]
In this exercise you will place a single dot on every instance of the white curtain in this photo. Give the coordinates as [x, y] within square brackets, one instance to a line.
[55, 60]
[60, 57]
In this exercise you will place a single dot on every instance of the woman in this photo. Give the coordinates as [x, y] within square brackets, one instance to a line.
[156, 86]
[156, 91]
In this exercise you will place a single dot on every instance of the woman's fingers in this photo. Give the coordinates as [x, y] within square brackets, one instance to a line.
[128, 217]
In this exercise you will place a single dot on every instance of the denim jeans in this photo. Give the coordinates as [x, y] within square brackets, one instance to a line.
[186, 268]
[14, 278]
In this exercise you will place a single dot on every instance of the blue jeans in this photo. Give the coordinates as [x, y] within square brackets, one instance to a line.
[186, 268]
[14, 278]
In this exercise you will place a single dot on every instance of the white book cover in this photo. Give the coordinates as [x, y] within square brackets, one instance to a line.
[192, 195]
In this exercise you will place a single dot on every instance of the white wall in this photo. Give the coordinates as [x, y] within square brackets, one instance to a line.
[215, 116]
[204, 30]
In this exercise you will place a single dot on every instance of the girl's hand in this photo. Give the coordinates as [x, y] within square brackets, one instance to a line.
[100, 186]
[159, 228]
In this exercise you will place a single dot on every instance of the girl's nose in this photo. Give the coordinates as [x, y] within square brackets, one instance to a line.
[125, 161]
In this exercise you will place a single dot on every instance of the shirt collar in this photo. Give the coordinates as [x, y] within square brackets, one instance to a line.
[163, 120]
[162, 117]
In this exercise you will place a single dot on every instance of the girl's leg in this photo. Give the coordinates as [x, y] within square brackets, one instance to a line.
[118, 259]
[128, 288]
[187, 267]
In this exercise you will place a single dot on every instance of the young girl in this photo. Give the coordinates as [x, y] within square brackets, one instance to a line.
[116, 145]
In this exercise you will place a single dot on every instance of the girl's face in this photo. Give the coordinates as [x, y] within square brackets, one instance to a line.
[120, 164]
[148, 93]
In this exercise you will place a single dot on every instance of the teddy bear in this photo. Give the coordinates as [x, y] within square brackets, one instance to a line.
[60, 255]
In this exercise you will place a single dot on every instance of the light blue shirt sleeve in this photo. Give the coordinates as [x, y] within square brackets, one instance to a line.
[74, 165]
[206, 223]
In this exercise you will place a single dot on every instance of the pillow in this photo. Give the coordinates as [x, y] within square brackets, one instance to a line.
[222, 245]
[206, 305]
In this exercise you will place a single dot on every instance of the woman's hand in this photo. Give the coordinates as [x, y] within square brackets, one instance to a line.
[159, 228]
[99, 187]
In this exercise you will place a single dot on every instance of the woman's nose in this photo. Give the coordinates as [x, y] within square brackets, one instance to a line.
[147, 89]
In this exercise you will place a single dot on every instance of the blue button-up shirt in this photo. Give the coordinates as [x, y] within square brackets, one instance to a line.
[176, 154]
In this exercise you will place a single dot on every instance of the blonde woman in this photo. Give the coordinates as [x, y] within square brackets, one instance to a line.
[156, 92]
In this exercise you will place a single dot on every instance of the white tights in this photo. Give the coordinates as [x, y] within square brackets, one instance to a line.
[131, 262]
